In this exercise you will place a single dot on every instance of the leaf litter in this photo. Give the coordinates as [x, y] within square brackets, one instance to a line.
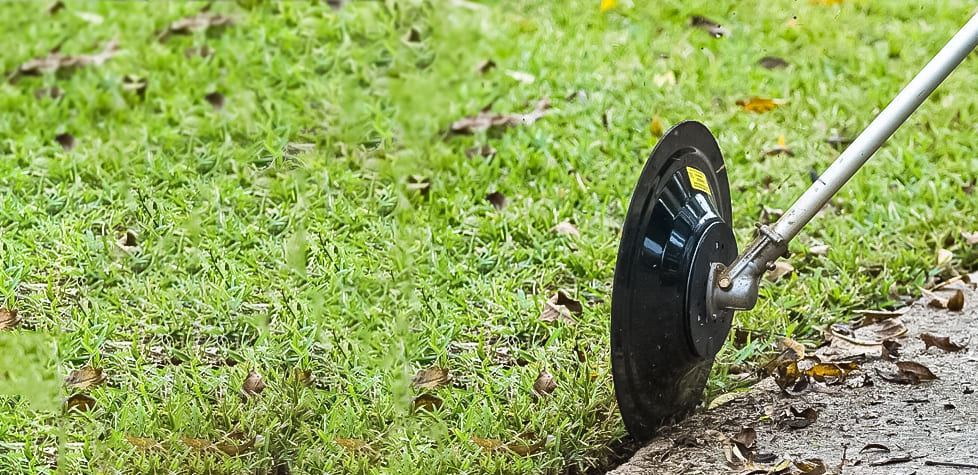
[9, 318]
[202, 21]
[55, 62]
[85, 377]
[486, 120]
[561, 307]
[431, 378]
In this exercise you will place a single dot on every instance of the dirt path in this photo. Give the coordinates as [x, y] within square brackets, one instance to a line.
[911, 425]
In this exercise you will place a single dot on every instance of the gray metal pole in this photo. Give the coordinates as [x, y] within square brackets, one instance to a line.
[870, 140]
[736, 286]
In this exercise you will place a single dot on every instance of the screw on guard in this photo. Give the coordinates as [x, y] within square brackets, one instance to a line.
[679, 278]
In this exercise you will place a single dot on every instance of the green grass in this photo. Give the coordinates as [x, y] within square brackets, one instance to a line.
[282, 232]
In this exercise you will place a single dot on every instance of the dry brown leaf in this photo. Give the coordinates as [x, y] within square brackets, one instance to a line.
[85, 377]
[252, 386]
[484, 66]
[544, 385]
[426, 402]
[303, 376]
[55, 7]
[757, 105]
[79, 402]
[142, 443]
[199, 22]
[781, 269]
[431, 378]
[566, 228]
[561, 307]
[196, 444]
[523, 444]
[8, 318]
[351, 445]
[922, 372]
[708, 25]
[486, 120]
[489, 445]
[497, 199]
[956, 302]
[57, 62]
[480, 151]
[66, 140]
[236, 444]
[800, 419]
[215, 99]
[941, 342]
[772, 62]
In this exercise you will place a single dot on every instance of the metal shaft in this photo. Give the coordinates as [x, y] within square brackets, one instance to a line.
[736, 286]
[887, 122]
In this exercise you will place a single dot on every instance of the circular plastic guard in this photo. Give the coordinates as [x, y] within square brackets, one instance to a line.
[663, 339]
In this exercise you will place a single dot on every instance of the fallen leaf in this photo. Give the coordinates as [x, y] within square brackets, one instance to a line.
[199, 22]
[142, 443]
[66, 140]
[566, 228]
[781, 269]
[215, 99]
[201, 51]
[838, 141]
[55, 7]
[135, 83]
[54, 92]
[523, 444]
[544, 385]
[196, 444]
[79, 402]
[8, 318]
[253, 386]
[969, 188]
[772, 62]
[941, 342]
[828, 373]
[608, 4]
[709, 26]
[746, 437]
[303, 376]
[488, 445]
[757, 105]
[431, 378]
[426, 402]
[85, 377]
[484, 66]
[351, 445]
[956, 302]
[781, 148]
[800, 419]
[497, 199]
[128, 241]
[561, 307]
[920, 371]
[485, 120]
[811, 466]
[480, 151]
[233, 446]
[874, 448]
[875, 316]
[57, 62]
[891, 350]
[655, 126]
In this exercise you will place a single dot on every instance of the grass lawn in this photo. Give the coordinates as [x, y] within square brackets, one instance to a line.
[284, 196]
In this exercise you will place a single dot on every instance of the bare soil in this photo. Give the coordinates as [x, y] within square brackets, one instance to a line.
[867, 425]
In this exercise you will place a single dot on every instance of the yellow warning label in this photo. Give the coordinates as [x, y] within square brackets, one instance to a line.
[698, 180]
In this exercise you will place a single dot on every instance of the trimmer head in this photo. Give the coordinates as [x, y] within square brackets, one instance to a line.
[663, 336]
